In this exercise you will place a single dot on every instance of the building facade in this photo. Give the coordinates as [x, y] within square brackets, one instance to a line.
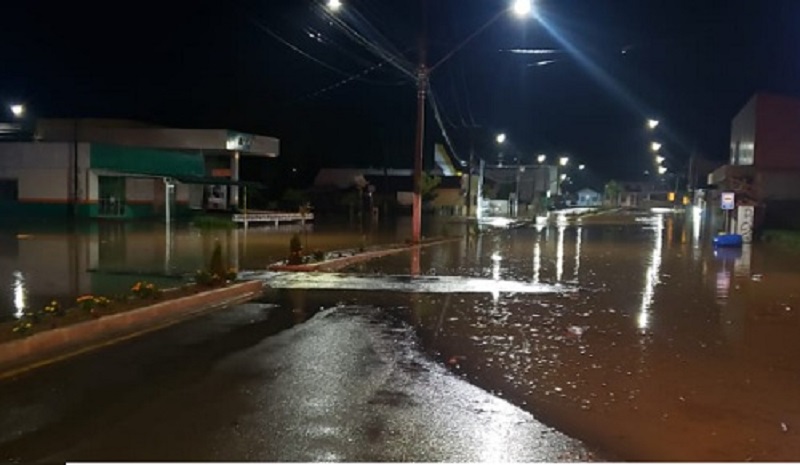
[119, 169]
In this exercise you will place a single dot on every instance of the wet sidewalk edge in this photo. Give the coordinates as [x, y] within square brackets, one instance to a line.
[61, 343]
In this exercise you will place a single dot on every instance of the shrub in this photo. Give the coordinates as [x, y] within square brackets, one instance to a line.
[54, 308]
[145, 290]
[319, 255]
[295, 250]
[217, 265]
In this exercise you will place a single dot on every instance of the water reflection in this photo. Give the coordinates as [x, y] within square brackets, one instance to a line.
[652, 275]
[560, 254]
[537, 261]
[578, 242]
[19, 294]
[40, 263]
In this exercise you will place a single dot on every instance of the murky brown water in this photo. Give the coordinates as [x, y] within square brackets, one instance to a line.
[39, 263]
[668, 352]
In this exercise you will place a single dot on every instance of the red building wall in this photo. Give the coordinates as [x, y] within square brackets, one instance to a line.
[777, 131]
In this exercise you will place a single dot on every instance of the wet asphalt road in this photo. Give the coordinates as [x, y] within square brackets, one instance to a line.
[251, 384]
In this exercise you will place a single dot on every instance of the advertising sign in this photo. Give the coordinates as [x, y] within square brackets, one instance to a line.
[744, 223]
[728, 200]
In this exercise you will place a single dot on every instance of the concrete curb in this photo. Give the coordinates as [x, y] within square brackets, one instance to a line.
[339, 263]
[57, 342]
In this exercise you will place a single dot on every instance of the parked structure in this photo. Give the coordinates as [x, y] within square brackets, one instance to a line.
[764, 167]
[123, 169]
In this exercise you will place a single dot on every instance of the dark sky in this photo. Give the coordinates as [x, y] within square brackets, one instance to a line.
[691, 63]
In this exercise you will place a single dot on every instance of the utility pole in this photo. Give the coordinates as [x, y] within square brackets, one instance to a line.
[469, 172]
[422, 89]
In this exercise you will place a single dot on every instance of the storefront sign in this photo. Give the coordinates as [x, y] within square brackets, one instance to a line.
[728, 200]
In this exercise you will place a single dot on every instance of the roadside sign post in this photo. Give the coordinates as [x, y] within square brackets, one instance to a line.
[728, 204]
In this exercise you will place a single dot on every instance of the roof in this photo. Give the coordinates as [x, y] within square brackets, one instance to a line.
[137, 134]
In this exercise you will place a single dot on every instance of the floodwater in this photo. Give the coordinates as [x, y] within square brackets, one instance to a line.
[41, 262]
[667, 351]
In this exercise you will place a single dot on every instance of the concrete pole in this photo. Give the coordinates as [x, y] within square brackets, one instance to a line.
[235, 177]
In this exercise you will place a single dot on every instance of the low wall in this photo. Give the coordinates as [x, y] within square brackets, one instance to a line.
[75, 338]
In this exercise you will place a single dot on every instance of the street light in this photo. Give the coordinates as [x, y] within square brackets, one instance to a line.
[660, 159]
[581, 167]
[334, 5]
[655, 146]
[662, 170]
[563, 161]
[541, 158]
[563, 177]
[523, 8]
[652, 123]
[18, 110]
[501, 138]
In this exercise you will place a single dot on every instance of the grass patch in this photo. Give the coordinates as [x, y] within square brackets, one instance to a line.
[213, 222]
[785, 237]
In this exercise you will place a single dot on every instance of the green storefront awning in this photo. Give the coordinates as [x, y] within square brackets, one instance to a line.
[146, 161]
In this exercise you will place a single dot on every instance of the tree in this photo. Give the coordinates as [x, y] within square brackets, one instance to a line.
[428, 185]
[612, 192]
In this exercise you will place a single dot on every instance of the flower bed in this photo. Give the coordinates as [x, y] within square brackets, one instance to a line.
[91, 307]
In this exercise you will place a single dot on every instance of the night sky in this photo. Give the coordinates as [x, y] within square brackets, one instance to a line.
[284, 68]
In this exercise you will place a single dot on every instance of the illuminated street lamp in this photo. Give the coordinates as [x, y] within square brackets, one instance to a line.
[655, 146]
[334, 5]
[541, 158]
[501, 138]
[662, 170]
[17, 110]
[522, 8]
[581, 167]
[652, 123]
[660, 159]
[563, 161]
[563, 177]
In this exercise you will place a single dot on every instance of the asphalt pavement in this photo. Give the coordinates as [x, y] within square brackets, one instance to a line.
[256, 383]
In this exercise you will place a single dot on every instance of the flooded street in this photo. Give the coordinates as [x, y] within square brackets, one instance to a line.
[668, 351]
[629, 333]
[40, 263]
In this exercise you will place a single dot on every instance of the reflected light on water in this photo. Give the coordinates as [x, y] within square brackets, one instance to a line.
[697, 223]
[19, 294]
[560, 254]
[578, 243]
[651, 275]
[537, 262]
[496, 259]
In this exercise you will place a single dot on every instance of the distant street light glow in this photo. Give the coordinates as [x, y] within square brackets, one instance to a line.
[541, 158]
[334, 5]
[563, 161]
[652, 123]
[655, 146]
[17, 110]
[581, 167]
[660, 159]
[662, 170]
[523, 8]
[501, 139]
[563, 177]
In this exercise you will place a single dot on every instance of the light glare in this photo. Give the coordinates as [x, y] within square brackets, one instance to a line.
[334, 5]
[652, 123]
[501, 138]
[656, 146]
[541, 158]
[18, 110]
[523, 8]
[563, 161]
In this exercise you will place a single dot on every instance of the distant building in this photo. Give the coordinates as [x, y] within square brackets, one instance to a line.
[764, 166]
[92, 168]
[589, 198]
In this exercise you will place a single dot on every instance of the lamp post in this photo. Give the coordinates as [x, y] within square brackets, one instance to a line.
[521, 8]
[653, 123]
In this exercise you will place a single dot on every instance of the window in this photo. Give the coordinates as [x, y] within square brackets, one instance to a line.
[9, 190]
